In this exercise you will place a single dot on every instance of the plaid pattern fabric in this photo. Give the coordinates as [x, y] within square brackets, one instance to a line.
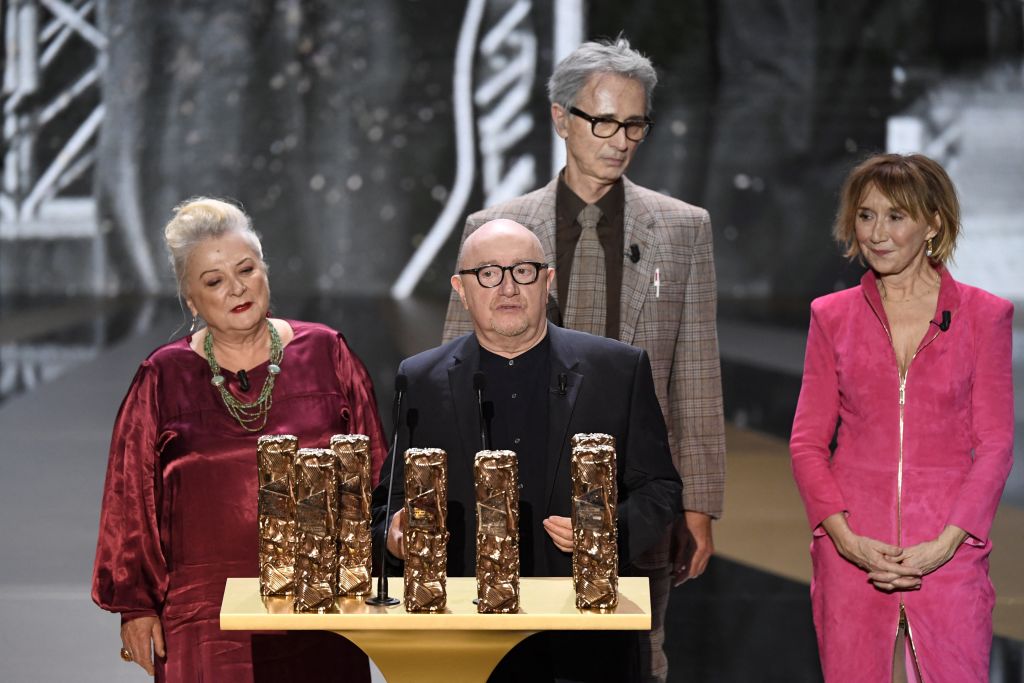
[585, 305]
[674, 321]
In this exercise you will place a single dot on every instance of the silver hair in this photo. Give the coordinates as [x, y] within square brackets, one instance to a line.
[199, 219]
[600, 56]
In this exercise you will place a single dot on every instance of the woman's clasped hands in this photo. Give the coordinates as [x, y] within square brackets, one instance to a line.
[891, 568]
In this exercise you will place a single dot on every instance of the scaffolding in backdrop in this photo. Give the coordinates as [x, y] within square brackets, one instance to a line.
[35, 203]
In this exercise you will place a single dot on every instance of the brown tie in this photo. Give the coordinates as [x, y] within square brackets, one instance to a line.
[585, 302]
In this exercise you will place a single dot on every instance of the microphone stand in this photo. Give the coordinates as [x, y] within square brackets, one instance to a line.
[479, 384]
[382, 597]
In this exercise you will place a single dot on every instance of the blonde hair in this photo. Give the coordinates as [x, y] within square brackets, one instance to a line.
[913, 182]
[199, 219]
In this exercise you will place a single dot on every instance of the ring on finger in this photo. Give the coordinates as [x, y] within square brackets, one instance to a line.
[126, 655]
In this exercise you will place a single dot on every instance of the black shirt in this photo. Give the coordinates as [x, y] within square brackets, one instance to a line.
[517, 391]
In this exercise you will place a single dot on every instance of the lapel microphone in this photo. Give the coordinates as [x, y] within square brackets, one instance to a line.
[243, 380]
[563, 381]
[946, 317]
[479, 384]
[633, 253]
[401, 384]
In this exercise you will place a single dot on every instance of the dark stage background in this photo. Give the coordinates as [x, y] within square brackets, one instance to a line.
[337, 125]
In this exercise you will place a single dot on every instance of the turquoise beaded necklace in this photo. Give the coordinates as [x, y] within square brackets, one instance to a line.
[248, 414]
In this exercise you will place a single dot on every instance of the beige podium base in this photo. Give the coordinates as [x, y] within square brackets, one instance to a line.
[457, 644]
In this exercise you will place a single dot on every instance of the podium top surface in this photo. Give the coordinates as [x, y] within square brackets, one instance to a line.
[545, 604]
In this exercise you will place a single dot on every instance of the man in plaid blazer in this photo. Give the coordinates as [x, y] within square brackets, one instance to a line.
[660, 288]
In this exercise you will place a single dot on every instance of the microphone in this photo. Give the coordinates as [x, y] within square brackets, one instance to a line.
[479, 384]
[563, 380]
[401, 384]
[243, 380]
[944, 325]
[633, 253]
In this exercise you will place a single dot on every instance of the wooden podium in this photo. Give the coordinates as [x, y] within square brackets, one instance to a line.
[430, 647]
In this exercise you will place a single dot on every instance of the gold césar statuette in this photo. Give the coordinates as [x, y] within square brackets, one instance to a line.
[496, 477]
[275, 455]
[595, 556]
[353, 524]
[316, 515]
[426, 536]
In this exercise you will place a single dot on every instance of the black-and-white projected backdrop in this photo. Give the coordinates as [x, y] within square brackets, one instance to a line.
[360, 134]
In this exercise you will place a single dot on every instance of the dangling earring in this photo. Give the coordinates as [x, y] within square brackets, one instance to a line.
[928, 248]
[192, 328]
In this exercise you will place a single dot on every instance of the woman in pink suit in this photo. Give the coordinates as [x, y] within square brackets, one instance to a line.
[915, 370]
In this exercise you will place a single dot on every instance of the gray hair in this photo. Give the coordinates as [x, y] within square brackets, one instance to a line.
[199, 219]
[600, 56]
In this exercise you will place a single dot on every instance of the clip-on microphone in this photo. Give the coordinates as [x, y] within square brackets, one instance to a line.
[401, 383]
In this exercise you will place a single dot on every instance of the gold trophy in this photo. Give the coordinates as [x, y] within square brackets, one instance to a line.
[595, 554]
[355, 561]
[496, 474]
[275, 456]
[426, 536]
[316, 515]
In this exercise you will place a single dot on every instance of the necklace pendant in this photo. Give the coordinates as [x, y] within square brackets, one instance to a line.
[252, 417]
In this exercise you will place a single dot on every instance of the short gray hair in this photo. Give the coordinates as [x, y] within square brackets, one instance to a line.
[600, 56]
[199, 219]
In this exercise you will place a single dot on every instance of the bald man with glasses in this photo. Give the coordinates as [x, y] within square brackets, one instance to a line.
[544, 385]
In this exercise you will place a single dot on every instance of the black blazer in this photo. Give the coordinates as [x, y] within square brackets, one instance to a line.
[609, 389]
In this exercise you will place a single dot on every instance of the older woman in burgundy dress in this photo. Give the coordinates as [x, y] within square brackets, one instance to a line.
[179, 505]
[915, 369]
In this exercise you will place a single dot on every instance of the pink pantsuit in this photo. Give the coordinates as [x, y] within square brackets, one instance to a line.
[914, 454]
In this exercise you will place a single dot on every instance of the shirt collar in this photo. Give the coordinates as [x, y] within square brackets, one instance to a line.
[568, 204]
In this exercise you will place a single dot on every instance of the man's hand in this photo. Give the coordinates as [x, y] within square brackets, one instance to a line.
[692, 546]
[560, 531]
[141, 637]
[396, 534]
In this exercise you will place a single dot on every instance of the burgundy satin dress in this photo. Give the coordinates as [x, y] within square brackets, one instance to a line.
[179, 504]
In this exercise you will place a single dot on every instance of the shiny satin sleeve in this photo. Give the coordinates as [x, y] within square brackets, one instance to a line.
[130, 572]
[355, 381]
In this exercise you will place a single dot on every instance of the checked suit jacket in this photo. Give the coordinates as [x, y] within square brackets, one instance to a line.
[673, 323]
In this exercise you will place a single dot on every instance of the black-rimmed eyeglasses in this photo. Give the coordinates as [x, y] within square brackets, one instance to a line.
[523, 273]
[604, 127]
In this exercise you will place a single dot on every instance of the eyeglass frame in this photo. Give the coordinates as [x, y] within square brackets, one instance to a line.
[476, 272]
[594, 120]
